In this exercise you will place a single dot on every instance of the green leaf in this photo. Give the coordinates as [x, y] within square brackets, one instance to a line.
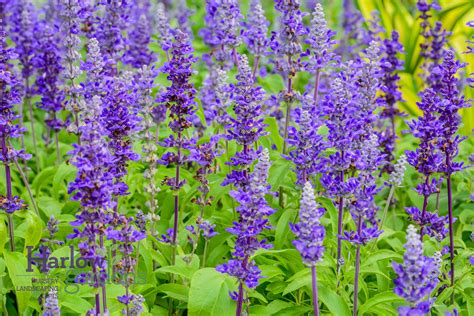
[381, 298]
[209, 294]
[283, 228]
[185, 272]
[64, 174]
[16, 265]
[380, 255]
[176, 291]
[334, 302]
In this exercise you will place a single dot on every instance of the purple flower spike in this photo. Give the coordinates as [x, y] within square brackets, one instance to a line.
[309, 231]
[417, 276]
[253, 219]
[255, 31]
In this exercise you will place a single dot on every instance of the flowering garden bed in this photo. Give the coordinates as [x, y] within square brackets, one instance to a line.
[227, 157]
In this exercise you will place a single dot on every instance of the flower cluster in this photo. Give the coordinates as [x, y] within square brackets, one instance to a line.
[222, 22]
[309, 231]
[427, 160]
[9, 96]
[255, 31]
[417, 276]
[362, 205]
[253, 211]
[48, 63]
[308, 145]
[138, 54]
[391, 94]
[247, 125]
[320, 40]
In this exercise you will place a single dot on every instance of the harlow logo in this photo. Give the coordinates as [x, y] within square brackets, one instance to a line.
[45, 261]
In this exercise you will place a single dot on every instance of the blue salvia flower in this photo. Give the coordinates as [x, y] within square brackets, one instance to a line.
[247, 126]
[22, 21]
[253, 219]
[215, 94]
[138, 54]
[417, 276]
[427, 160]
[222, 23]
[51, 306]
[364, 188]
[9, 96]
[165, 38]
[309, 231]
[70, 11]
[121, 122]
[308, 145]
[48, 63]
[391, 94]
[320, 40]
[255, 32]
[110, 30]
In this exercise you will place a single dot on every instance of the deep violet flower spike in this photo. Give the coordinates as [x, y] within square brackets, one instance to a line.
[320, 39]
[307, 144]
[391, 94]
[451, 102]
[287, 42]
[253, 219]
[22, 32]
[309, 231]
[222, 22]
[417, 276]
[48, 63]
[9, 96]
[110, 30]
[138, 54]
[247, 126]
[255, 32]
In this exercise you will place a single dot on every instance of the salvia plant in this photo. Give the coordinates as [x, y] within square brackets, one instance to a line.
[236, 157]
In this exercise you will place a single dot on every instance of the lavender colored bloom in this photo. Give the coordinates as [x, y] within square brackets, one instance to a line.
[247, 125]
[391, 94]
[362, 206]
[309, 231]
[255, 32]
[9, 96]
[308, 145]
[291, 28]
[339, 109]
[253, 212]
[451, 102]
[417, 276]
[427, 160]
[138, 54]
[320, 40]
[222, 22]
[355, 35]
[179, 99]
[93, 187]
[48, 62]
[398, 173]
[215, 94]
[470, 50]
[51, 306]
[183, 17]
[109, 32]
[165, 38]
[94, 67]
[22, 22]
[70, 15]
[120, 122]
